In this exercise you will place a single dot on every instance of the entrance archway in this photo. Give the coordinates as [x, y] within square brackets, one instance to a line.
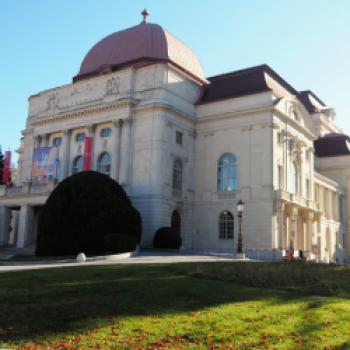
[176, 222]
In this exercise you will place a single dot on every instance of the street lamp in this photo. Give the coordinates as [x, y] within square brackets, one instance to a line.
[240, 209]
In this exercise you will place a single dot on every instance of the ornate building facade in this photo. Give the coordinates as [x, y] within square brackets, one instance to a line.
[186, 148]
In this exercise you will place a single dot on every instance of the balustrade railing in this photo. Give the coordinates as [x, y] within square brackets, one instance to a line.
[11, 191]
[25, 190]
[296, 199]
[38, 188]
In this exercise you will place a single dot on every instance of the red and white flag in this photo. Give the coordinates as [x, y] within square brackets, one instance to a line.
[6, 171]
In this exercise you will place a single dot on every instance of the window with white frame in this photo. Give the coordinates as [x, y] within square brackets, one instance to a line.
[280, 177]
[179, 137]
[80, 137]
[78, 163]
[308, 188]
[57, 141]
[105, 132]
[104, 163]
[177, 175]
[226, 225]
[293, 178]
[227, 173]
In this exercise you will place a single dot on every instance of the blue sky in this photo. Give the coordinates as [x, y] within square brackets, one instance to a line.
[307, 42]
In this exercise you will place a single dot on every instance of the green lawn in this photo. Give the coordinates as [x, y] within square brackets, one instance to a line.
[177, 306]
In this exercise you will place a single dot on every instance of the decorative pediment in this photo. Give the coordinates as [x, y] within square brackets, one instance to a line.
[295, 111]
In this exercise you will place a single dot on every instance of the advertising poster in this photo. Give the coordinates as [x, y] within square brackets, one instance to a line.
[44, 164]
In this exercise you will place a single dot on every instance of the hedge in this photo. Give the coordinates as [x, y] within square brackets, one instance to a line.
[119, 243]
[167, 238]
[81, 211]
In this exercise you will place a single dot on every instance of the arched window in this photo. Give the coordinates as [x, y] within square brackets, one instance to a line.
[293, 178]
[80, 137]
[104, 163]
[78, 164]
[57, 141]
[177, 175]
[226, 224]
[227, 173]
[294, 115]
[106, 132]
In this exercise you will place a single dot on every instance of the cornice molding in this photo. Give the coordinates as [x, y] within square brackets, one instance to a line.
[69, 115]
[228, 115]
[164, 106]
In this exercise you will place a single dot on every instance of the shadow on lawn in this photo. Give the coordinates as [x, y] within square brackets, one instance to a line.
[49, 302]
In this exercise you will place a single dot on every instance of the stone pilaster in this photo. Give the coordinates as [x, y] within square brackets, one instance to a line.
[294, 227]
[37, 141]
[310, 231]
[25, 226]
[125, 152]
[66, 153]
[282, 244]
[116, 142]
[4, 225]
[44, 140]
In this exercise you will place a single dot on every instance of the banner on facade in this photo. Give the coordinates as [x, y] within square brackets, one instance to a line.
[87, 153]
[44, 164]
[6, 171]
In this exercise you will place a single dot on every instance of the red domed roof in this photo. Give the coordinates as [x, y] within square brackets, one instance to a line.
[146, 41]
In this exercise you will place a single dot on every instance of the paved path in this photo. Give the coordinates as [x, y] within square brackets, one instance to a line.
[144, 257]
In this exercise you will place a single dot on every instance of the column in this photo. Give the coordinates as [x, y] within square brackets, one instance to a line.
[92, 131]
[44, 140]
[287, 232]
[281, 219]
[304, 245]
[116, 135]
[24, 226]
[329, 204]
[65, 158]
[4, 225]
[294, 226]
[310, 232]
[125, 153]
[37, 140]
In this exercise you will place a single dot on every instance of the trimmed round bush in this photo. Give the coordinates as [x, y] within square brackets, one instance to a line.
[167, 238]
[119, 243]
[81, 211]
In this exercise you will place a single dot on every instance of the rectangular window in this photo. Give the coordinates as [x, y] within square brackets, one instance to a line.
[308, 189]
[179, 137]
[280, 177]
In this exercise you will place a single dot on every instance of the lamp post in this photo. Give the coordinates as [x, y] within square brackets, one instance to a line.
[240, 209]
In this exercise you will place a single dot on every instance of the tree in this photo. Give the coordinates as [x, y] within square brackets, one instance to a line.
[81, 211]
[1, 165]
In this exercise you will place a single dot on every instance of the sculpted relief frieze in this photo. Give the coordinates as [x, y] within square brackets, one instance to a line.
[76, 95]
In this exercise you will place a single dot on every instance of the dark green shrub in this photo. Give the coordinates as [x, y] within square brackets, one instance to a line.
[119, 243]
[81, 210]
[167, 238]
